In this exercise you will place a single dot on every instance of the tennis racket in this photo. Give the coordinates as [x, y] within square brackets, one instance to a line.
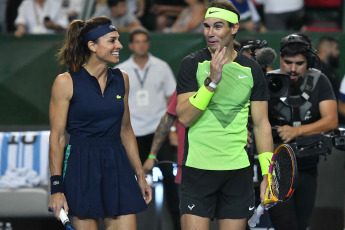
[282, 175]
[65, 220]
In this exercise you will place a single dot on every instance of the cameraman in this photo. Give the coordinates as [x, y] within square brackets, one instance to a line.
[314, 111]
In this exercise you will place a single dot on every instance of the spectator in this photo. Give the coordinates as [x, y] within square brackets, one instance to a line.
[11, 14]
[40, 17]
[190, 19]
[136, 7]
[117, 11]
[328, 52]
[167, 123]
[341, 100]
[281, 15]
[166, 12]
[249, 17]
[152, 83]
[72, 8]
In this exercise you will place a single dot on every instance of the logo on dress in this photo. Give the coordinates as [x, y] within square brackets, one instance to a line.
[240, 77]
[251, 208]
[118, 96]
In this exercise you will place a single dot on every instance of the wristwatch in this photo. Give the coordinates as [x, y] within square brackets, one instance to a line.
[208, 82]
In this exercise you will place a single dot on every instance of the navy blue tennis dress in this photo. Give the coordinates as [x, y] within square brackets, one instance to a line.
[98, 178]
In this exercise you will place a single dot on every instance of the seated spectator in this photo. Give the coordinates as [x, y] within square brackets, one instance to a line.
[166, 12]
[117, 11]
[281, 15]
[190, 19]
[72, 8]
[249, 17]
[39, 17]
[136, 7]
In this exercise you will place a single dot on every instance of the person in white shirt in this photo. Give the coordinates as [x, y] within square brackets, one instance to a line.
[152, 83]
[119, 14]
[39, 17]
[281, 15]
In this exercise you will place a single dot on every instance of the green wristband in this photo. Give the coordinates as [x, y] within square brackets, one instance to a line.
[152, 157]
[201, 98]
[265, 160]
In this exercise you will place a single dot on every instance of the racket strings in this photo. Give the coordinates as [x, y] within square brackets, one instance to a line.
[282, 175]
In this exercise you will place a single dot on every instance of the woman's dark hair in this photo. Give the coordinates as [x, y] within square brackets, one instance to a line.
[227, 6]
[74, 51]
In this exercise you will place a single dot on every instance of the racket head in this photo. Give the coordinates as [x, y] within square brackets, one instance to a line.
[282, 173]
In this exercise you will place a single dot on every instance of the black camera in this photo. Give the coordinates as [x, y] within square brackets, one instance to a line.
[278, 84]
[279, 112]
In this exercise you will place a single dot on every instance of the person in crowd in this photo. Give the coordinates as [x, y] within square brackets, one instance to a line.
[166, 12]
[39, 17]
[168, 124]
[282, 15]
[313, 111]
[341, 99]
[250, 18]
[216, 87]
[190, 19]
[99, 175]
[118, 12]
[72, 8]
[152, 84]
[329, 54]
[137, 7]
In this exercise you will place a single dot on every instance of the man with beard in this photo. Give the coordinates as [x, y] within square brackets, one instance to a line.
[328, 52]
[314, 112]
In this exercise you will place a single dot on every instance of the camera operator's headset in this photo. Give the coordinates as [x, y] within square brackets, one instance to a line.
[312, 57]
[301, 104]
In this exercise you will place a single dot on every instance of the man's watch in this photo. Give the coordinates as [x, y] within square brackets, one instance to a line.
[208, 82]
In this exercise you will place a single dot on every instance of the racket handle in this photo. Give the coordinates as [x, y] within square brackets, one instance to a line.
[65, 220]
[256, 216]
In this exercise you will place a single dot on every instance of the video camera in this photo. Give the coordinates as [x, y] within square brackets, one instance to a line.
[319, 144]
[281, 113]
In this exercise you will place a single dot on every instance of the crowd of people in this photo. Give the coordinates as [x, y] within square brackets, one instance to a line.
[118, 115]
[167, 16]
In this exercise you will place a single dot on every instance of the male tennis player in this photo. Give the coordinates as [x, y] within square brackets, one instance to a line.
[216, 87]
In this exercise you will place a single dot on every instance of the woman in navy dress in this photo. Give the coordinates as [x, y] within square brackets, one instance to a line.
[99, 173]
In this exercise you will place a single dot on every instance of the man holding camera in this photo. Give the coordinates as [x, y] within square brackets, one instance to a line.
[313, 110]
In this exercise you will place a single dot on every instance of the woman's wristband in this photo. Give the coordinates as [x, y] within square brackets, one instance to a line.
[265, 160]
[201, 98]
[56, 184]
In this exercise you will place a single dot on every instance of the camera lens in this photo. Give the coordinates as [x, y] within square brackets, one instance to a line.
[275, 84]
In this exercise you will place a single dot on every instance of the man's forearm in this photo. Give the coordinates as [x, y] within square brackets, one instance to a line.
[162, 132]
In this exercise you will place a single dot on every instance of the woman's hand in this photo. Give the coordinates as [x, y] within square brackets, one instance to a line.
[145, 190]
[58, 201]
